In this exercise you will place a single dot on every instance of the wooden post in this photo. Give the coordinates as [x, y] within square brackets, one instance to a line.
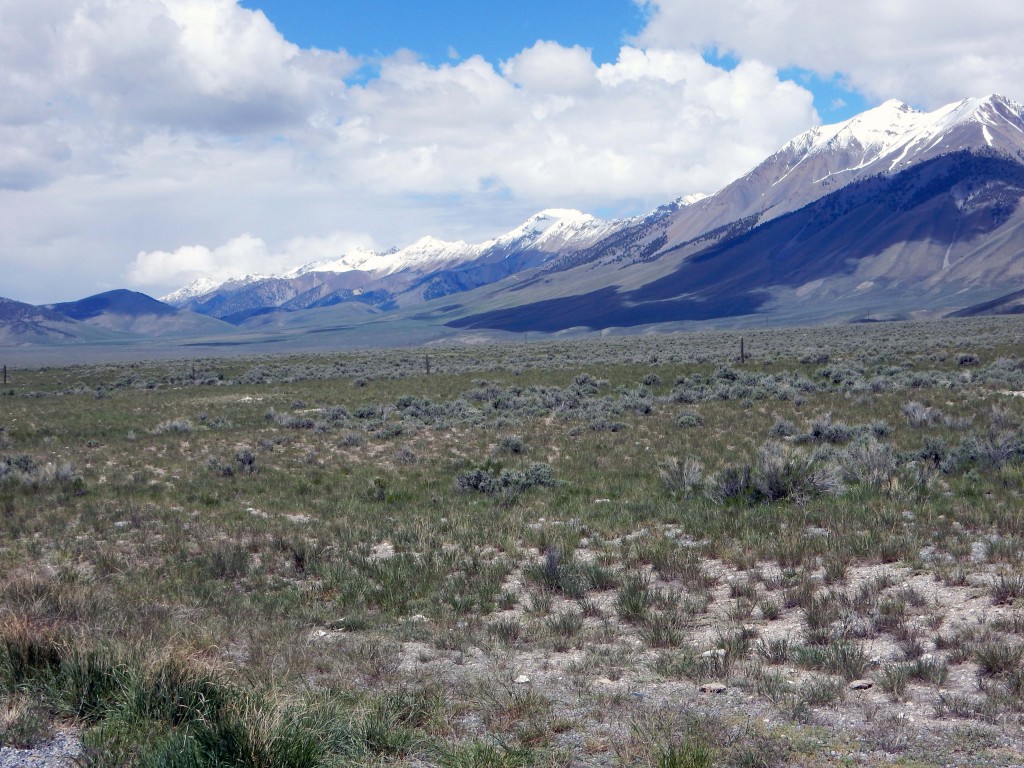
[5, 374]
[426, 363]
[743, 356]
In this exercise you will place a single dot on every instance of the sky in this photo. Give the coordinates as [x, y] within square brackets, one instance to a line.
[148, 143]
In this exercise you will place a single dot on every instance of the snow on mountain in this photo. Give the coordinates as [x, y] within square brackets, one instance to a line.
[355, 259]
[193, 290]
[686, 200]
[551, 230]
[902, 135]
[429, 252]
[887, 139]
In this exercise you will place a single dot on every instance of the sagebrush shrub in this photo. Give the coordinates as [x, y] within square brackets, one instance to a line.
[868, 462]
[920, 415]
[484, 479]
[689, 419]
[783, 472]
[685, 478]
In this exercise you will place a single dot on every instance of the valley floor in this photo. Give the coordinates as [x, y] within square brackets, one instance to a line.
[630, 552]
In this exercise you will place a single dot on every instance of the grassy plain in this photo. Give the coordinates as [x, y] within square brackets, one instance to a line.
[529, 555]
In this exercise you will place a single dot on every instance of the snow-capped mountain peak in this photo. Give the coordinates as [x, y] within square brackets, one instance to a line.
[354, 259]
[428, 252]
[196, 288]
[692, 199]
[896, 130]
[550, 229]
[887, 139]
[874, 131]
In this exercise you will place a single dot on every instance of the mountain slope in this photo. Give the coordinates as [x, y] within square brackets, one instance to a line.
[885, 140]
[25, 324]
[121, 302]
[926, 234]
[134, 313]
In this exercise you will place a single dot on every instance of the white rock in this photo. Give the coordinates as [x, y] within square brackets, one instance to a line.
[717, 653]
[383, 551]
[713, 688]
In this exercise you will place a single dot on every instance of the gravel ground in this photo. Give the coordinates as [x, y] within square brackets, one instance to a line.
[59, 752]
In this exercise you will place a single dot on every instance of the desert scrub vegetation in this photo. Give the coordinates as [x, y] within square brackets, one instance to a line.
[599, 552]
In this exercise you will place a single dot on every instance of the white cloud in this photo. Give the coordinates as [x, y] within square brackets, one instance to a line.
[133, 130]
[651, 126]
[550, 68]
[198, 64]
[927, 52]
[242, 255]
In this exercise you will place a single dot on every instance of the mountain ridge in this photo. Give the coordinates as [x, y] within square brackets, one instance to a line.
[893, 213]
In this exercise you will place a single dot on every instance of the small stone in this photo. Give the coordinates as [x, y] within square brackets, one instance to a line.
[603, 681]
[717, 653]
[419, 618]
[862, 685]
[522, 680]
[979, 552]
[713, 688]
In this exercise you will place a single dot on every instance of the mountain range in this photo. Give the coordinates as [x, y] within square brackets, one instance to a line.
[893, 214]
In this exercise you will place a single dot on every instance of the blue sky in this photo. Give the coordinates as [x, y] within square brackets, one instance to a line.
[150, 144]
[494, 30]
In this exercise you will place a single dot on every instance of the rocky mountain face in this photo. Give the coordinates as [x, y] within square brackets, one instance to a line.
[883, 247]
[891, 214]
[883, 141]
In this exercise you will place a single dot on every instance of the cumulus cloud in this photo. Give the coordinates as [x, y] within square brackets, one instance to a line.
[927, 52]
[135, 135]
[242, 255]
[194, 64]
[652, 125]
[551, 68]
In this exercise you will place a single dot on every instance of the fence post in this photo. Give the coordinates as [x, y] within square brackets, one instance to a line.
[426, 363]
[743, 356]
[5, 374]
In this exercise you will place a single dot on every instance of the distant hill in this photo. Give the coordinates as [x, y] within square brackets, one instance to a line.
[26, 324]
[118, 302]
[136, 314]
